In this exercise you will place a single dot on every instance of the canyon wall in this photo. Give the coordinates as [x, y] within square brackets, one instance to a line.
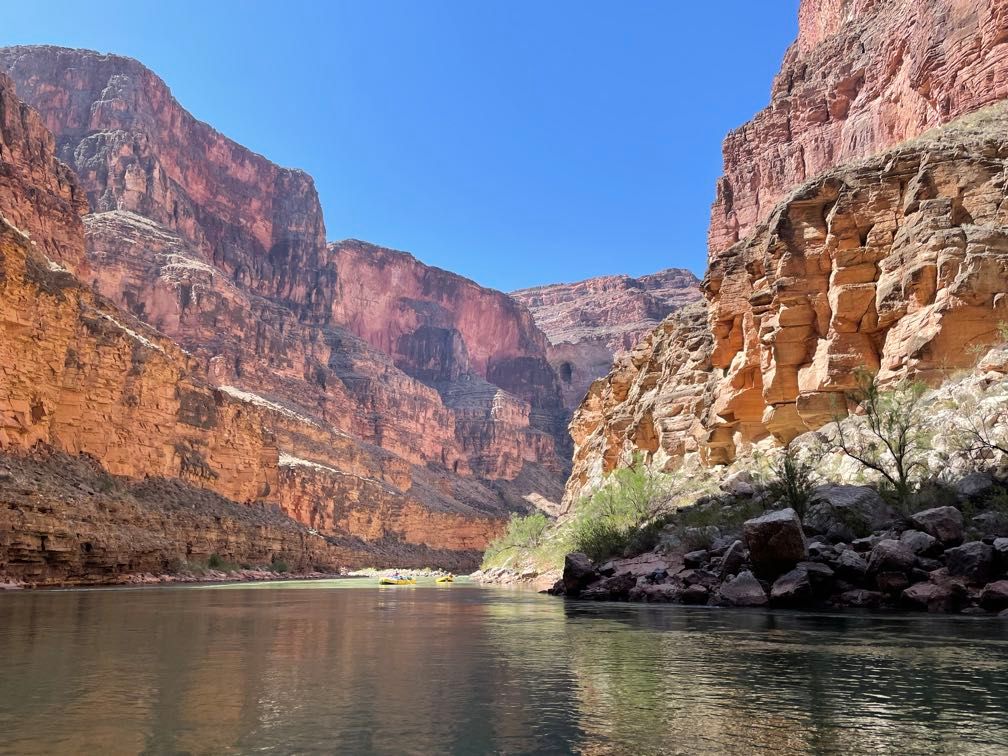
[862, 76]
[39, 194]
[844, 235]
[588, 322]
[415, 425]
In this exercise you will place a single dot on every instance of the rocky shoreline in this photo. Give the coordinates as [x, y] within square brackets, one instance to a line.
[931, 560]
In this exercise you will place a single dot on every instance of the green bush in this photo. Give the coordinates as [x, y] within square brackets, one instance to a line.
[279, 566]
[521, 533]
[216, 562]
[625, 516]
[792, 480]
[600, 539]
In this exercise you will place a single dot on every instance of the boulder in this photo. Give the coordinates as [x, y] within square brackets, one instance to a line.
[721, 544]
[740, 483]
[792, 589]
[821, 576]
[845, 513]
[944, 523]
[664, 593]
[733, 560]
[696, 558]
[821, 552]
[973, 561]
[920, 543]
[694, 576]
[695, 594]
[927, 564]
[890, 556]
[974, 486]
[851, 566]
[892, 582]
[1001, 554]
[578, 573]
[743, 590]
[775, 541]
[658, 576]
[991, 524]
[994, 596]
[615, 588]
[866, 544]
[934, 597]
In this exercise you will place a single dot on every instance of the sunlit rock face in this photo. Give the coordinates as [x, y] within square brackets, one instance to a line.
[589, 322]
[862, 76]
[419, 406]
[896, 263]
[847, 233]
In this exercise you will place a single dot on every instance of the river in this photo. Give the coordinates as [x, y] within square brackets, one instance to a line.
[344, 666]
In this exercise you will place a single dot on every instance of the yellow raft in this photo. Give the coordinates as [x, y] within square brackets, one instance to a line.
[445, 579]
[396, 581]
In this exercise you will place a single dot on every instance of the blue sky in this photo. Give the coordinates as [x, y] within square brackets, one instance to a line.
[515, 142]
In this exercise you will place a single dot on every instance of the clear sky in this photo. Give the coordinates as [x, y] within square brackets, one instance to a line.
[516, 142]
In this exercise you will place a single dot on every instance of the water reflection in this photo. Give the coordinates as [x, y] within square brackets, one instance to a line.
[321, 668]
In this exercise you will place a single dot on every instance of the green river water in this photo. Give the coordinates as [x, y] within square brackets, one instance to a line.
[344, 666]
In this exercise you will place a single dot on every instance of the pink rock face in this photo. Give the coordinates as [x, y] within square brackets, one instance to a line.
[395, 394]
[862, 76]
[38, 194]
[135, 148]
[589, 322]
[438, 326]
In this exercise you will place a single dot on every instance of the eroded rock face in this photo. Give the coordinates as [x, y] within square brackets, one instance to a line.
[38, 193]
[407, 403]
[589, 322]
[135, 148]
[896, 264]
[652, 402]
[862, 76]
[837, 241]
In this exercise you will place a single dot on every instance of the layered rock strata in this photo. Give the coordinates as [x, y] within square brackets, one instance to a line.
[405, 402]
[589, 322]
[38, 193]
[862, 76]
[828, 251]
[86, 378]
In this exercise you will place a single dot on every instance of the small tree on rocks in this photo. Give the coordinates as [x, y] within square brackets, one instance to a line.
[793, 477]
[891, 438]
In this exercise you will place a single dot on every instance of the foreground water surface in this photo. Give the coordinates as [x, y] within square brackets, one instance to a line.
[347, 667]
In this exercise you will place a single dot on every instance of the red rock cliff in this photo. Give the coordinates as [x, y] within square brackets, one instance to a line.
[862, 76]
[847, 233]
[386, 393]
[589, 322]
[135, 148]
[38, 193]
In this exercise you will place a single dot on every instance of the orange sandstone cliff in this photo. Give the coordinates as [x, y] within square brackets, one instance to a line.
[860, 222]
[370, 397]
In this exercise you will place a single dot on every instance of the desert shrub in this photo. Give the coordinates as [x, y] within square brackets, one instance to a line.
[216, 562]
[892, 439]
[600, 539]
[979, 433]
[279, 566]
[525, 532]
[625, 516]
[792, 479]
